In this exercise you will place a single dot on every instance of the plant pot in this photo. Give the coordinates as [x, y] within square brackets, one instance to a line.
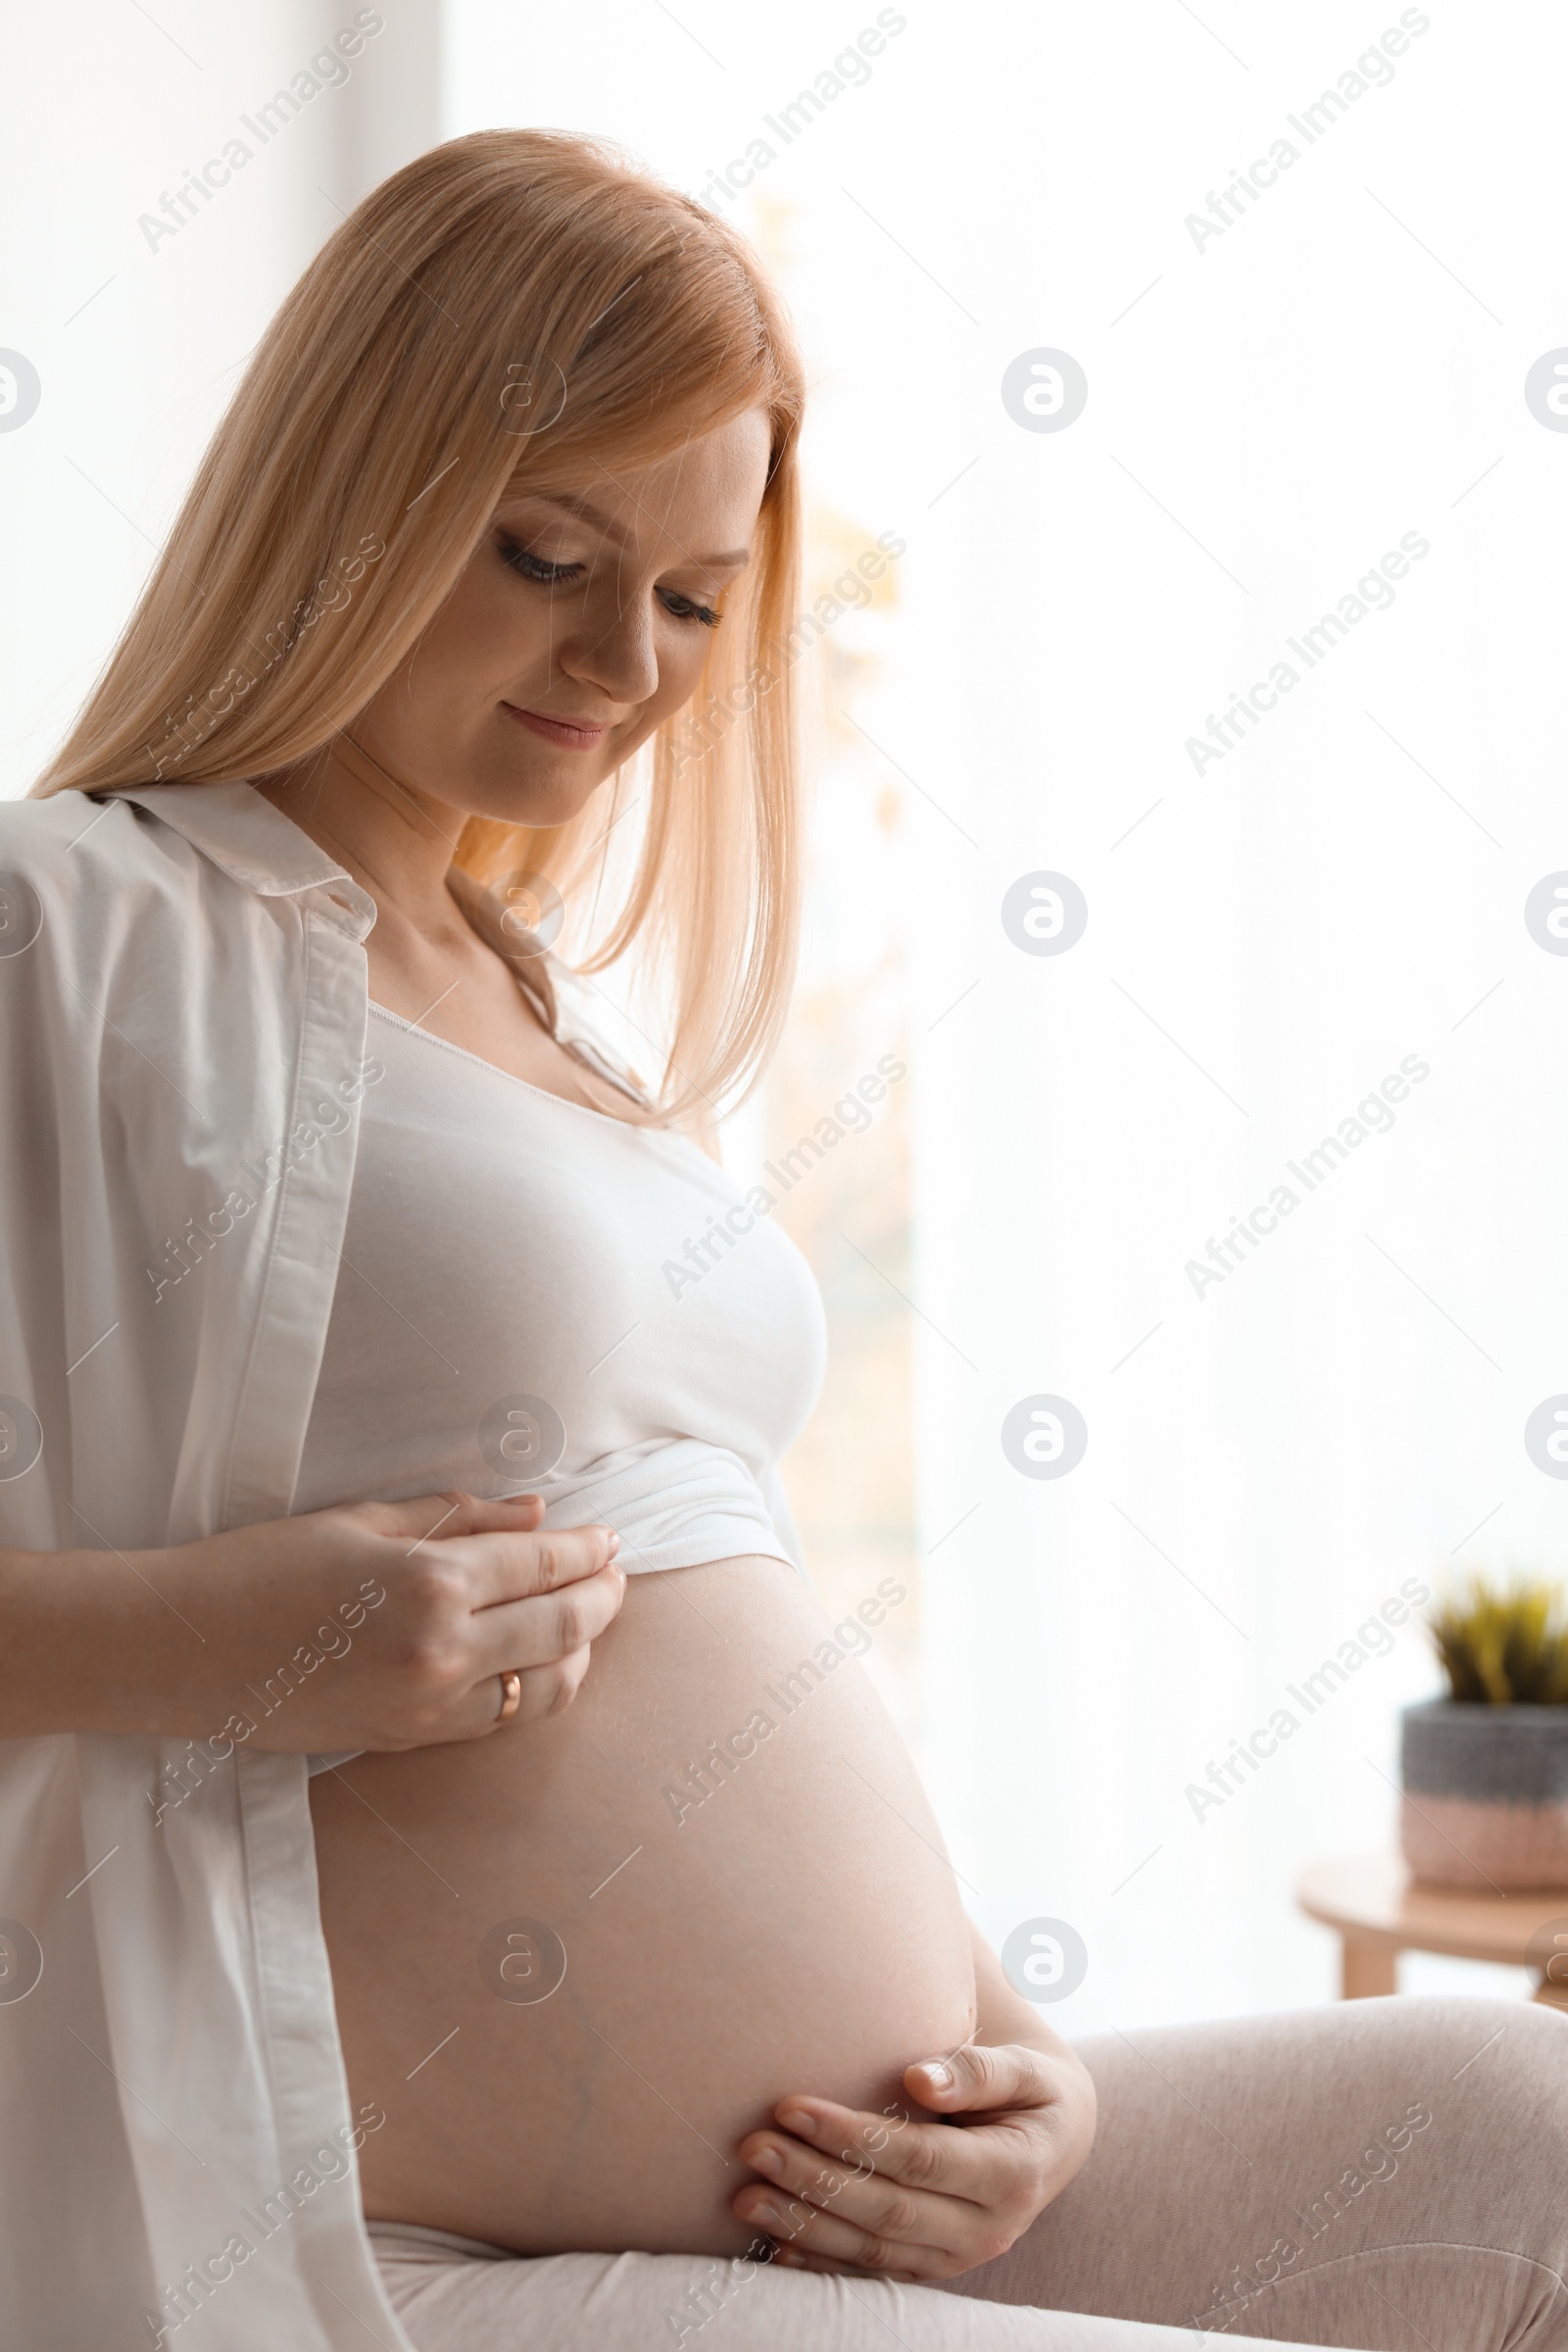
[1486, 1796]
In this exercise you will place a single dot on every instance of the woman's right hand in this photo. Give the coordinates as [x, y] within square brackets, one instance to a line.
[373, 1624]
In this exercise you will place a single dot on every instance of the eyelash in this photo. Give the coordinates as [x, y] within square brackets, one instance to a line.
[545, 575]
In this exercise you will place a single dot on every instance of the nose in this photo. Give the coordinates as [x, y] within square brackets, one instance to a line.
[614, 650]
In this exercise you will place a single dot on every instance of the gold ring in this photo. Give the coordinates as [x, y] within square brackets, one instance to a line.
[511, 1696]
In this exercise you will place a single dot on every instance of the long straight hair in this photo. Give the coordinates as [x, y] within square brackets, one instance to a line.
[517, 309]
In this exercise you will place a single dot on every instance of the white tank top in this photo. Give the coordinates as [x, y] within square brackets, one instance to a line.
[534, 1294]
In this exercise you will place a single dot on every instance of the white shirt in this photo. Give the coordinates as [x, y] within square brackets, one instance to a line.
[182, 1068]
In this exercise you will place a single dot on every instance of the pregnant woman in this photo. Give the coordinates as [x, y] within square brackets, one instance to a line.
[457, 1889]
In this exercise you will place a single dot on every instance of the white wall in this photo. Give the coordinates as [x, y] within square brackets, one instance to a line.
[138, 336]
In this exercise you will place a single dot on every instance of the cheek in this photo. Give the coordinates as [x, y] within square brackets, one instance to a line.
[489, 627]
[682, 659]
[482, 641]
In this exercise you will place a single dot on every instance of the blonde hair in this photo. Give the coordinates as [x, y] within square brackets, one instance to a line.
[515, 309]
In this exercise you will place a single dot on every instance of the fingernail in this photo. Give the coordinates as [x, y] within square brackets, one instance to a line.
[769, 2160]
[936, 2073]
[615, 1545]
[798, 2120]
[769, 2215]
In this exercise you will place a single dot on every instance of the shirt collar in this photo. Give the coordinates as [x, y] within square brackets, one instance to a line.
[255, 844]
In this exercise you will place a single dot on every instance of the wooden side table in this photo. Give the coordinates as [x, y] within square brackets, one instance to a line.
[1380, 1912]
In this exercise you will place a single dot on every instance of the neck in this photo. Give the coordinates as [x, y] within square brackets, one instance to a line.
[395, 841]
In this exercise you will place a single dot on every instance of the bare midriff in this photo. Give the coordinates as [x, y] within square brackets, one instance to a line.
[574, 1981]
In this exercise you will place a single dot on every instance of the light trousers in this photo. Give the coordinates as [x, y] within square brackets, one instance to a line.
[1384, 2174]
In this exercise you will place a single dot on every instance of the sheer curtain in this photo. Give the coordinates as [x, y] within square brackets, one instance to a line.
[1301, 267]
[1304, 396]
[1318, 410]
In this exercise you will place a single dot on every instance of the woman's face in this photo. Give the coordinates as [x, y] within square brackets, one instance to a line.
[578, 625]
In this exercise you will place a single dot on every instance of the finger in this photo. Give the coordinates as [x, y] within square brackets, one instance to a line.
[850, 2190]
[800, 2258]
[568, 1681]
[424, 1518]
[800, 2229]
[522, 1634]
[975, 2080]
[544, 1691]
[521, 1566]
[551, 1690]
[899, 2147]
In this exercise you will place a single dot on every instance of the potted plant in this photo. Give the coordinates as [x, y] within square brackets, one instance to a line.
[1486, 1769]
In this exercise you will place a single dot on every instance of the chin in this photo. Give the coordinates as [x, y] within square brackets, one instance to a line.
[538, 799]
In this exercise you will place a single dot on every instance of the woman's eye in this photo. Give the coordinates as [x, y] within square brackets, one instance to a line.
[685, 608]
[535, 568]
[539, 569]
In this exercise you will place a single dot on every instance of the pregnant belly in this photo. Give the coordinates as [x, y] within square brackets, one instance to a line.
[575, 1962]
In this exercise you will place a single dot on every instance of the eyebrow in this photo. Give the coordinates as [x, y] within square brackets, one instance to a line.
[589, 512]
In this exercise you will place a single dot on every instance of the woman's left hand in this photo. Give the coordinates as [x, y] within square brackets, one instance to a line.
[892, 2196]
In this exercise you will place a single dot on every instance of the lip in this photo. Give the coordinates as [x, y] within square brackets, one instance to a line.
[573, 734]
